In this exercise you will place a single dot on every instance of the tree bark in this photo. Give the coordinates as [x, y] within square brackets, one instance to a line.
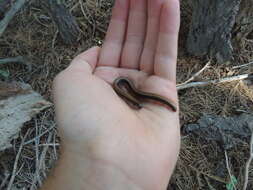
[244, 20]
[19, 103]
[66, 23]
[213, 24]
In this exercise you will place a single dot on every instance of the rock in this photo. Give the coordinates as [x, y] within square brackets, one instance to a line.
[226, 131]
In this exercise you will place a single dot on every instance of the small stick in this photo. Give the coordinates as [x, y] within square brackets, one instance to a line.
[196, 74]
[43, 155]
[39, 136]
[208, 183]
[18, 59]
[54, 147]
[246, 178]
[16, 163]
[217, 81]
[4, 181]
[37, 141]
[10, 14]
[216, 178]
[244, 65]
[228, 168]
[49, 144]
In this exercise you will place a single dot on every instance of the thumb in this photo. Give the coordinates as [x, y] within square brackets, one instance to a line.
[86, 61]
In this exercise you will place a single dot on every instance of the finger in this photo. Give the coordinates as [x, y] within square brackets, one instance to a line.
[112, 47]
[166, 53]
[85, 62]
[135, 34]
[148, 54]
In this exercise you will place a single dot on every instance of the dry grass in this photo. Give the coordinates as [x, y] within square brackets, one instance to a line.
[32, 34]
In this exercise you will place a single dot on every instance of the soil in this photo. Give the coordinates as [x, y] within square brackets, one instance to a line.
[33, 35]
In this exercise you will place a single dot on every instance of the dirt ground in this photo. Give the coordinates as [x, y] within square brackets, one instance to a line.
[32, 34]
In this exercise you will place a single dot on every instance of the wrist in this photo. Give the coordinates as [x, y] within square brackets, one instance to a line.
[78, 171]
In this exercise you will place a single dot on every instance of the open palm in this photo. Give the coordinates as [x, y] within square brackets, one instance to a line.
[140, 146]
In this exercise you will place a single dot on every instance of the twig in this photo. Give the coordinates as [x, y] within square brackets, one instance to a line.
[37, 137]
[244, 65]
[209, 184]
[216, 178]
[4, 181]
[49, 144]
[18, 59]
[217, 81]
[229, 170]
[10, 14]
[54, 38]
[54, 147]
[43, 156]
[37, 141]
[196, 74]
[246, 178]
[6, 174]
[40, 164]
[16, 163]
[200, 184]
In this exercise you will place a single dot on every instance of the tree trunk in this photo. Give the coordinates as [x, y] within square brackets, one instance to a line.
[244, 20]
[212, 26]
[66, 23]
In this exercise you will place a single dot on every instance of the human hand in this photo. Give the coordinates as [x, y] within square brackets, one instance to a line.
[106, 143]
